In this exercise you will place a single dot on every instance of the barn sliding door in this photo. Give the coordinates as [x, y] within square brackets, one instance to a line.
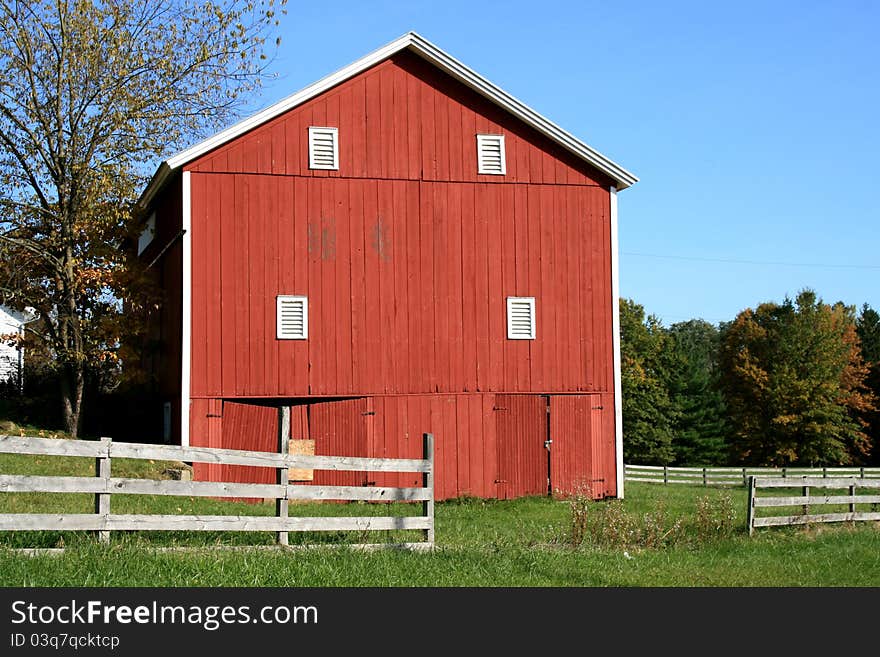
[521, 432]
[339, 428]
[582, 451]
[251, 427]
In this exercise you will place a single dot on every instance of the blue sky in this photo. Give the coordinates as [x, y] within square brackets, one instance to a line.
[752, 126]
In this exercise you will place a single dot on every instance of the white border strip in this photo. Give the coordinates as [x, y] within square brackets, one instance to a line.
[186, 310]
[615, 340]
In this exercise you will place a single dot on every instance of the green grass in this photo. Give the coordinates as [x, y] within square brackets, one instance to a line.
[526, 542]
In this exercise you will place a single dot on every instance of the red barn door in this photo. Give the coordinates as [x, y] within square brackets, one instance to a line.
[581, 458]
[251, 427]
[521, 426]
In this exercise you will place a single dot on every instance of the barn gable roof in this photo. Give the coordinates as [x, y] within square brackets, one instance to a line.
[429, 52]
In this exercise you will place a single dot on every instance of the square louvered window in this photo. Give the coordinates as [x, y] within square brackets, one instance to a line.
[292, 317]
[490, 155]
[323, 148]
[520, 318]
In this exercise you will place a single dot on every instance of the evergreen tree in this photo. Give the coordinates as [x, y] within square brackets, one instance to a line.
[648, 413]
[868, 330]
[700, 431]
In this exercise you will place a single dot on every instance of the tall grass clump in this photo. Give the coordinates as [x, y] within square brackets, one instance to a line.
[580, 506]
[611, 524]
[715, 518]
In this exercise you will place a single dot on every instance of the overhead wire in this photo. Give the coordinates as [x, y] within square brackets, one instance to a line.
[738, 261]
[750, 262]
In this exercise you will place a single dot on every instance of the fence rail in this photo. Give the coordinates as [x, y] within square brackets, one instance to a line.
[104, 486]
[733, 476]
[806, 500]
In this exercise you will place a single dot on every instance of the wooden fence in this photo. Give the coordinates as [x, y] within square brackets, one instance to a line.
[104, 486]
[720, 476]
[807, 499]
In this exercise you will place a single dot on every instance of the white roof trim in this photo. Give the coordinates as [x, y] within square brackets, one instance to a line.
[428, 51]
[7, 312]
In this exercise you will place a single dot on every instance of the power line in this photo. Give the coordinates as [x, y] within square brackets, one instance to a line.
[749, 262]
[682, 318]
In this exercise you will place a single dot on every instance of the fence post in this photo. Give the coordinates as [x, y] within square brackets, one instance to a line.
[705, 482]
[750, 513]
[281, 503]
[825, 473]
[806, 493]
[745, 478]
[665, 475]
[428, 482]
[862, 472]
[852, 503]
[784, 472]
[102, 500]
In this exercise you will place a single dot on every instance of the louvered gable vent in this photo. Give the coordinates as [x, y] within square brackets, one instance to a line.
[520, 318]
[490, 155]
[323, 148]
[292, 317]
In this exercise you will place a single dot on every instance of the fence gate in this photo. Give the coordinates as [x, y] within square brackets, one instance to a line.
[805, 494]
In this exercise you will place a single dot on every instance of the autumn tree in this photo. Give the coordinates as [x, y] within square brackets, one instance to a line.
[92, 94]
[648, 413]
[794, 381]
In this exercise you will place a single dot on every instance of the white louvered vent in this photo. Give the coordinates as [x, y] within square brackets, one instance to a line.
[323, 148]
[292, 317]
[490, 155]
[520, 318]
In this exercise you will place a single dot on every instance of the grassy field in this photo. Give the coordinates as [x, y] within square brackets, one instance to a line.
[658, 536]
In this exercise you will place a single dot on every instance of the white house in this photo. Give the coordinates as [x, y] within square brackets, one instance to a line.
[11, 358]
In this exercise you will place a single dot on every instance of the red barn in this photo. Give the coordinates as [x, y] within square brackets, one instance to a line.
[400, 247]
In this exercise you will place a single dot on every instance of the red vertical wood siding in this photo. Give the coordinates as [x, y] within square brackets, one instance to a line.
[464, 428]
[406, 284]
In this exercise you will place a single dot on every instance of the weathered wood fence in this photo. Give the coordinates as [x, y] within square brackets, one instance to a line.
[103, 485]
[733, 476]
[807, 499]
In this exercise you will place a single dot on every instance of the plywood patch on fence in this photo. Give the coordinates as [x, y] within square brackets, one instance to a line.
[302, 448]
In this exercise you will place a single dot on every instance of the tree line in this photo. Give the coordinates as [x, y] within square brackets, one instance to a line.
[783, 384]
